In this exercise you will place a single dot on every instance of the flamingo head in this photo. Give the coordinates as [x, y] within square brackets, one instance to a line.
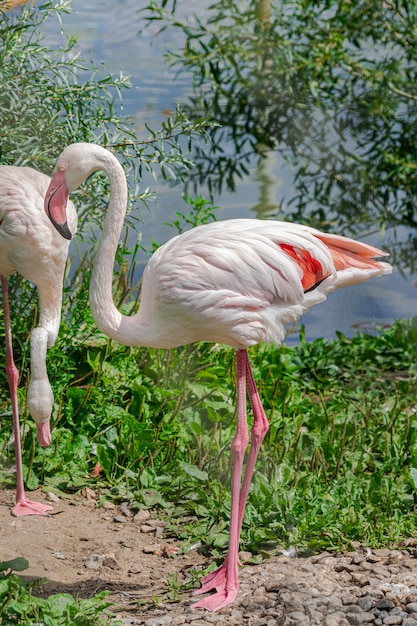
[75, 164]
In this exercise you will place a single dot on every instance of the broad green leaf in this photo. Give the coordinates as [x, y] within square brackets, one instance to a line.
[17, 565]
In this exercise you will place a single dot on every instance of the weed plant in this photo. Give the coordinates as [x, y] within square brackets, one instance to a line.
[19, 606]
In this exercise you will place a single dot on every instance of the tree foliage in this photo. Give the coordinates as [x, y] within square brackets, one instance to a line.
[329, 84]
[52, 96]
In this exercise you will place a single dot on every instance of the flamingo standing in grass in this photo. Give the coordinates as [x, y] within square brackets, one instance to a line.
[235, 282]
[30, 245]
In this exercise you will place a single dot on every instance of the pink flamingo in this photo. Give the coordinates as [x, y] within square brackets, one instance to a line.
[6, 5]
[30, 245]
[235, 282]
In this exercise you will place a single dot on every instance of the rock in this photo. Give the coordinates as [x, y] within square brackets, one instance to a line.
[347, 598]
[255, 602]
[94, 561]
[111, 562]
[334, 604]
[91, 504]
[333, 620]
[109, 506]
[126, 510]
[344, 567]
[145, 528]
[298, 617]
[88, 493]
[163, 620]
[359, 558]
[353, 608]
[157, 523]
[355, 618]
[360, 579]
[374, 558]
[316, 558]
[393, 619]
[52, 497]
[366, 603]
[384, 604]
[141, 516]
[154, 548]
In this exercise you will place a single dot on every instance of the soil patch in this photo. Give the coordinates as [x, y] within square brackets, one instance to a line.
[82, 548]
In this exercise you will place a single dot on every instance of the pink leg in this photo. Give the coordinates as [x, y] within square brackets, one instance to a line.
[225, 578]
[23, 506]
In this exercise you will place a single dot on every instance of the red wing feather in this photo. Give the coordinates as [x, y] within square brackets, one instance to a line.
[312, 270]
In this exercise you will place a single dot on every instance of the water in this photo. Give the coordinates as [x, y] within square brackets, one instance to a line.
[109, 29]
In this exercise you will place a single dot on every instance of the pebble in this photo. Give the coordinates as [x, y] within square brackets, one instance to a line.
[52, 497]
[154, 548]
[366, 603]
[159, 621]
[108, 506]
[377, 587]
[125, 509]
[141, 516]
[145, 528]
[94, 561]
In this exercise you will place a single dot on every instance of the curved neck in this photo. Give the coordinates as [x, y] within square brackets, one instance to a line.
[106, 316]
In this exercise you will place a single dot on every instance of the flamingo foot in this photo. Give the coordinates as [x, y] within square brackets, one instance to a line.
[213, 580]
[28, 507]
[226, 589]
[217, 600]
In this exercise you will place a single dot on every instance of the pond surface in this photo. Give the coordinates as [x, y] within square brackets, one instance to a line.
[109, 29]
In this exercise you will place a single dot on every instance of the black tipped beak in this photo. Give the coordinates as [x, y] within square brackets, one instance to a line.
[63, 229]
[55, 208]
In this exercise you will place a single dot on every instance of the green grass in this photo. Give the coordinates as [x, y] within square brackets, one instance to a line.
[339, 463]
[59, 609]
[19, 606]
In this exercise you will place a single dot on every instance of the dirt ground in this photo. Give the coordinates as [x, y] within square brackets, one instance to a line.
[83, 549]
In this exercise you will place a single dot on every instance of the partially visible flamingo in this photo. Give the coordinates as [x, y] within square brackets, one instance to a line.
[30, 245]
[236, 282]
[6, 5]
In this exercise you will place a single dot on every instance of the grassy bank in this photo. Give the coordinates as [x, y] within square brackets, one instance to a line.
[339, 463]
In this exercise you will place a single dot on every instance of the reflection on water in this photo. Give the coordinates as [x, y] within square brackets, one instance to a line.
[109, 29]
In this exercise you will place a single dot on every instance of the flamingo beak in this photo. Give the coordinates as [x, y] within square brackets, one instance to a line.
[43, 432]
[56, 204]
